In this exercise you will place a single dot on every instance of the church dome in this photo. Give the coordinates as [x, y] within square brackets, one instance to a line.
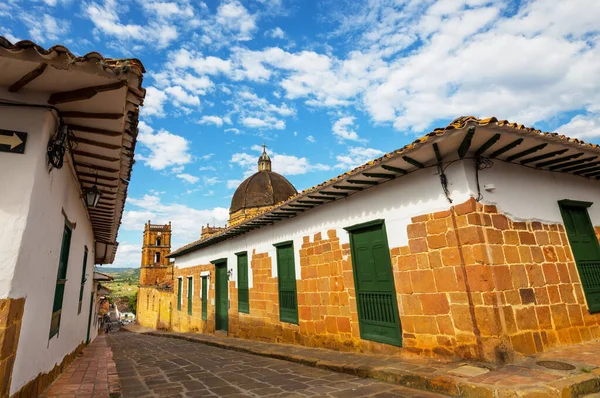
[264, 188]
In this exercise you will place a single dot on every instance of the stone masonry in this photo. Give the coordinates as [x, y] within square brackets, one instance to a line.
[470, 283]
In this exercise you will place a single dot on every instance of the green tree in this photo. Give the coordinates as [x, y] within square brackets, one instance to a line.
[133, 302]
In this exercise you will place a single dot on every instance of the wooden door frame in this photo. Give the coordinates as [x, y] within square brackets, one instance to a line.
[222, 262]
[357, 228]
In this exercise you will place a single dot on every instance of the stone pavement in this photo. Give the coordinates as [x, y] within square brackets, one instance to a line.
[92, 374]
[524, 378]
[151, 366]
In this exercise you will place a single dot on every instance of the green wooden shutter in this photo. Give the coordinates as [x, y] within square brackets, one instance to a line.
[61, 279]
[190, 294]
[179, 292]
[286, 276]
[243, 299]
[585, 247]
[204, 297]
[83, 279]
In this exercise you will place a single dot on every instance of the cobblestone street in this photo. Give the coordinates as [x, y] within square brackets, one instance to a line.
[151, 366]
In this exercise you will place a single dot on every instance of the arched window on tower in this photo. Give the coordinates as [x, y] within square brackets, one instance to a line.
[156, 258]
[158, 241]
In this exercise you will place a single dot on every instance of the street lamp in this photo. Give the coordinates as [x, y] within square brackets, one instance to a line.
[92, 195]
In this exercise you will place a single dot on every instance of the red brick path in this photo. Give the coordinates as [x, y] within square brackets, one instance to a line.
[93, 374]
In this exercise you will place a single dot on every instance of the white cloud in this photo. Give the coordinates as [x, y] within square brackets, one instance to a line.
[232, 16]
[154, 102]
[311, 139]
[128, 255]
[343, 129]
[207, 156]
[210, 180]
[188, 178]
[231, 184]
[45, 28]
[355, 157]
[106, 19]
[583, 127]
[163, 148]
[186, 222]
[275, 33]
[209, 193]
[233, 130]
[216, 120]
[267, 122]
[8, 35]
[168, 10]
[280, 163]
[181, 97]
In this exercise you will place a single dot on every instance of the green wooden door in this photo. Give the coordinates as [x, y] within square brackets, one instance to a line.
[179, 293]
[87, 339]
[243, 304]
[585, 247]
[204, 297]
[286, 276]
[373, 278]
[190, 293]
[222, 301]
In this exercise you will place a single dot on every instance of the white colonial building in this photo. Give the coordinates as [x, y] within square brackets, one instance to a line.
[68, 129]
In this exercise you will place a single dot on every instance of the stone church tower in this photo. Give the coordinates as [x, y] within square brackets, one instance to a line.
[155, 268]
[155, 293]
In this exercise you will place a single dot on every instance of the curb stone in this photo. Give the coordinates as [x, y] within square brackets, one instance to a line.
[570, 387]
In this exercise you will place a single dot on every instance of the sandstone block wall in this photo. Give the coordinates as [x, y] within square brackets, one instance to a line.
[470, 283]
[155, 307]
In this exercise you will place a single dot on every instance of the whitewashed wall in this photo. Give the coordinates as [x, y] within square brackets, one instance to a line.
[395, 202]
[31, 207]
[525, 194]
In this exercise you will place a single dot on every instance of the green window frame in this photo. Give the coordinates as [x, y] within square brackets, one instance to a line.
[243, 293]
[61, 280]
[179, 292]
[83, 279]
[286, 279]
[190, 294]
[204, 297]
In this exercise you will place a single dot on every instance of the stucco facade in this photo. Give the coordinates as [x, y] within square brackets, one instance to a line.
[486, 280]
[37, 208]
[68, 126]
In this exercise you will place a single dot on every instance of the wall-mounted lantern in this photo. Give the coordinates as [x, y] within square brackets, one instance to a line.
[92, 196]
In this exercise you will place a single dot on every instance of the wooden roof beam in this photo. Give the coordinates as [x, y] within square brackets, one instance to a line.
[100, 144]
[334, 193]
[83, 93]
[487, 145]
[559, 160]
[321, 197]
[544, 156]
[412, 161]
[100, 177]
[573, 163]
[466, 143]
[581, 166]
[95, 156]
[348, 188]
[394, 169]
[95, 167]
[100, 184]
[364, 182]
[28, 78]
[380, 175]
[91, 115]
[507, 148]
[314, 202]
[94, 130]
[526, 152]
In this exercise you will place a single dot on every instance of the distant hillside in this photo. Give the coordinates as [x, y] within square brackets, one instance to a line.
[124, 287]
[116, 270]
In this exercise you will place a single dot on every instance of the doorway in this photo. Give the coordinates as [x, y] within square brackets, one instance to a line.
[585, 247]
[376, 302]
[222, 299]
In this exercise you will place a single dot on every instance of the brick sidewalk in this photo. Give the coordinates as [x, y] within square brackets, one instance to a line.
[524, 378]
[92, 374]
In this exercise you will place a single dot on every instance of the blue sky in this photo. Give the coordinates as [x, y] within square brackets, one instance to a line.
[327, 85]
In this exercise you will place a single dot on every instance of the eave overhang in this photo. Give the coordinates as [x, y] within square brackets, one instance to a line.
[465, 138]
[98, 99]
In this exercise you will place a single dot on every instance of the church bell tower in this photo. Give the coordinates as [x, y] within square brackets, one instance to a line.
[155, 268]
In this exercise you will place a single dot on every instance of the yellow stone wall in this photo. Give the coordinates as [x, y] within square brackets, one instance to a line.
[471, 283]
[155, 307]
[11, 315]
